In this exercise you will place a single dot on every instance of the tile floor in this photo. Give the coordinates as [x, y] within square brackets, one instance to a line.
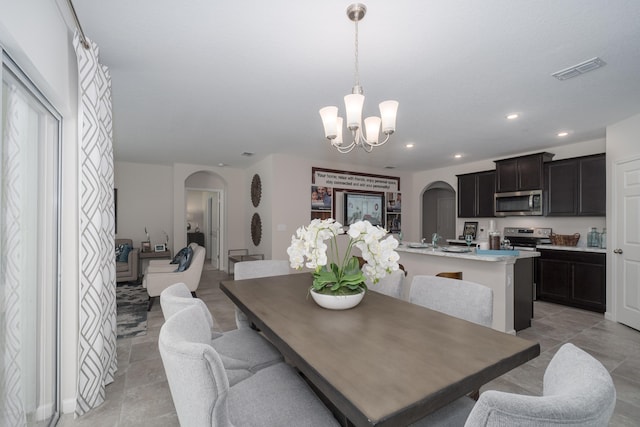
[140, 394]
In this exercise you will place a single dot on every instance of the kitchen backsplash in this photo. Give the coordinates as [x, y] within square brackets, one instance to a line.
[559, 225]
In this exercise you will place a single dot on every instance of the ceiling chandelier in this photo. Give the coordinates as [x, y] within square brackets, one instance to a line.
[353, 105]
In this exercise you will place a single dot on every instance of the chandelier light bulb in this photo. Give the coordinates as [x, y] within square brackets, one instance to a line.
[330, 121]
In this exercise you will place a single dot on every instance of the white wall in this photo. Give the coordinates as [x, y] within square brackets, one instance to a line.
[36, 36]
[145, 199]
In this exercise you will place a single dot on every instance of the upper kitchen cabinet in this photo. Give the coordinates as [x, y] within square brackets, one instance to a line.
[475, 194]
[521, 173]
[576, 187]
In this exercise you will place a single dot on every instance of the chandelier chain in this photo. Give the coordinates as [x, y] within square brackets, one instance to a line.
[357, 68]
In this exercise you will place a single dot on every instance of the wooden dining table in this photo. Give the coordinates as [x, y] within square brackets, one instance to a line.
[384, 362]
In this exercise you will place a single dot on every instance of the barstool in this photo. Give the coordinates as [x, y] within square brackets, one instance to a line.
[451, 274]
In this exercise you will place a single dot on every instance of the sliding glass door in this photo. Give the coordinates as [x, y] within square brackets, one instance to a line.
[29, 248]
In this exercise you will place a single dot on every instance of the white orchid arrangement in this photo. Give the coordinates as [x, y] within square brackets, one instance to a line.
[343, 275]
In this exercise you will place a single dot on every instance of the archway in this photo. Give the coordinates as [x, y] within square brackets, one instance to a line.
[203, 208]
[439, 211]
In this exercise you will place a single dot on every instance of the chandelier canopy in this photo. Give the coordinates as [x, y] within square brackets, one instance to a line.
[353, 106]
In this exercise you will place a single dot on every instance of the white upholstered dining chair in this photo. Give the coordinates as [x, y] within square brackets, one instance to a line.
[243, 352]
[577, 391]
[390, 285]
[253, 269]
[275, 396]
[459, 298]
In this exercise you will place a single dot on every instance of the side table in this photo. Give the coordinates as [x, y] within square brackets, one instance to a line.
[144, 257]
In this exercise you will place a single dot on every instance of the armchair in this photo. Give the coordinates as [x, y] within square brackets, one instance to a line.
[157, 279]
[127, 271]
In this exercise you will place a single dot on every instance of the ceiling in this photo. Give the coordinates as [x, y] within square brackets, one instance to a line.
[203, 81]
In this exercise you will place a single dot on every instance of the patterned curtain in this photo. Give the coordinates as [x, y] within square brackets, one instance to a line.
[12, 411]
[97, 299]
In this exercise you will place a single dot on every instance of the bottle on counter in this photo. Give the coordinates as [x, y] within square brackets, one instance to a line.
[603, 238]
[494, 240]
[593, 238]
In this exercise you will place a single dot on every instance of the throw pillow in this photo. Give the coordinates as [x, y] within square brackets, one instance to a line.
[118, 251]
[185, 261]
[181, 253]
[124, 255]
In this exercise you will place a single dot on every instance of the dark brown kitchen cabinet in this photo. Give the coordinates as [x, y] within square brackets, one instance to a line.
[576, 186]
[572, 278]
[475, 194]
[521, 173]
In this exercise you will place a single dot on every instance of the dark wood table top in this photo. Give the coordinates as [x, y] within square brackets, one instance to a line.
[384, 362]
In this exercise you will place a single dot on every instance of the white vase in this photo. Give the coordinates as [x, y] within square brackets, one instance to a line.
[337, 302]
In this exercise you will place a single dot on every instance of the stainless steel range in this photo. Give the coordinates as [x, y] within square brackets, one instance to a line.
[527, 238]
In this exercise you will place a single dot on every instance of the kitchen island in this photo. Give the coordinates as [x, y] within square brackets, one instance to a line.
[510, 277]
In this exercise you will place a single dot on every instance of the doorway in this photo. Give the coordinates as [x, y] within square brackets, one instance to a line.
[626, 233]
[30, 130]
[439, 211]
[203, 208]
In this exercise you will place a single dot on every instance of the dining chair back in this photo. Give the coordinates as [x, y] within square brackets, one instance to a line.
[253, 269]
[390, 285]
[177, 297]
[577, 390]
[195, 373]
[459, 298]
[203, 396]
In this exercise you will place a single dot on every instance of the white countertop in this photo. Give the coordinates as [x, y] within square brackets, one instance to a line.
[467, 255]
[572, 248]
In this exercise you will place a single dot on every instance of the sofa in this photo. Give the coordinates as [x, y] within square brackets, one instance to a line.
[127, 271]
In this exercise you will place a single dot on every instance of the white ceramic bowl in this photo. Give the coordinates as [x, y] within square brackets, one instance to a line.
[337, 302]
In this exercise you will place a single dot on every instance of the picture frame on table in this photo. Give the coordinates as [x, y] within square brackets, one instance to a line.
[159, 248]
[145, 246]
[470, 227]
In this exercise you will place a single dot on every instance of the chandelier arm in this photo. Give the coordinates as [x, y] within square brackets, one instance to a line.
[367, 147]
[379, 143]
[345, 150]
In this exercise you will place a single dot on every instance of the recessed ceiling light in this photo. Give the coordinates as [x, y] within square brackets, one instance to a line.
[410, 145]
[512, 116]
[222, 165]
[457, 156]
[561, 134]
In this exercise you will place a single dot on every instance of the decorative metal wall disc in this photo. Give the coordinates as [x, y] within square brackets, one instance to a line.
[256, 229]
[256, 190]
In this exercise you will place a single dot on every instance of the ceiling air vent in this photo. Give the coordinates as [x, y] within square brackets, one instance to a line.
[247, 154]
[579, 69]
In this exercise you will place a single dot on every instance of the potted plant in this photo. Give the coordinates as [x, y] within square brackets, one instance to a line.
[341, 276]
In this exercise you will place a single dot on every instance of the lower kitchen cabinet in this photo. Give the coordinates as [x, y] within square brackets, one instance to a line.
[572, 278]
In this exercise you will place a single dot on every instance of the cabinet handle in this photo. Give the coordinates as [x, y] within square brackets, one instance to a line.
[617, 251]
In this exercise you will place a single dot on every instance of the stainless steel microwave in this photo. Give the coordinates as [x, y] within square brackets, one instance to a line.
[518, 203]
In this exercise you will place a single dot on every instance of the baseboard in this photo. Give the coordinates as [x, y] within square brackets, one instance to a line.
[609, 316]
[69, 405]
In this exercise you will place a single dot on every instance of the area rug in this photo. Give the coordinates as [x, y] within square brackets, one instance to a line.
[131, 301]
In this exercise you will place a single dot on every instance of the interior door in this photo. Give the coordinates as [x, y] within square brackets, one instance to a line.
[626, 253]
[213, 218]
